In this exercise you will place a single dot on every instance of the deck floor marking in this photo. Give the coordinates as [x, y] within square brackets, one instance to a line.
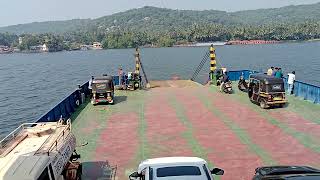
[92, 120]
[144, 149]
[266, 132]
[118, 143]
[305, 139]
[189, 133]
[87, 127]
[164, 130]
[298, 123]
[306, 109]
[225, 150]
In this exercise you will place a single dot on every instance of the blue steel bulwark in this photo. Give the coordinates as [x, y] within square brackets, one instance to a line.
[306, 91]
[69, 105]
[66, 107]
[235, 75]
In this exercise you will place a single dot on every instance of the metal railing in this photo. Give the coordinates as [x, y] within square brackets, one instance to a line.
[47, 148]
[14, 138]
[305, 91]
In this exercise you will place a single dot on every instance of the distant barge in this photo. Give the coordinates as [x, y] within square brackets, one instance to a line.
[251, 42]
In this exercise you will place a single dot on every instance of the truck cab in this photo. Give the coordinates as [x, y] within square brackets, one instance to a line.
[169, 168]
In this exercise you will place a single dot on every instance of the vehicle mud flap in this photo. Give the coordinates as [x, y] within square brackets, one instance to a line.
[250, 93]
[73, 171]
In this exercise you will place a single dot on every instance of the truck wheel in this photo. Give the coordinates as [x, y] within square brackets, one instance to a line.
[263, 104]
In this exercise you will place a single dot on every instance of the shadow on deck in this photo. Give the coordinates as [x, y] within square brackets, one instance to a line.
[98, 170]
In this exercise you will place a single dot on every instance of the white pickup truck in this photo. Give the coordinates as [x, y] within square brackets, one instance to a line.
[175, 168]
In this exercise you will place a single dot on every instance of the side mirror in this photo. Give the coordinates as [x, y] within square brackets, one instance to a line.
[134, 175]
[217, 171]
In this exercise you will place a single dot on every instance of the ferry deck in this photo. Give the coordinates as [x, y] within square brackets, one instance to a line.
[184, 118]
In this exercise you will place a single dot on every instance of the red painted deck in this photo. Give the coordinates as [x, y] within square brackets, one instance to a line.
[182, 118]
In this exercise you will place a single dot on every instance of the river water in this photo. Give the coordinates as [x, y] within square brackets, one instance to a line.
[31, 84]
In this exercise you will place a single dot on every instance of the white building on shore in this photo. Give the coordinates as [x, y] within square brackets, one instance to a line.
[40, 48]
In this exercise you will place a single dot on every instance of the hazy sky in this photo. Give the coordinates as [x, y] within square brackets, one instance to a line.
[25, 11]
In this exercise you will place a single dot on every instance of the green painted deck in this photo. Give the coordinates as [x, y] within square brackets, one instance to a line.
[182, 118]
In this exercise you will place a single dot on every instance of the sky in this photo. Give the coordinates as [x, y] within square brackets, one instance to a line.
[26, 11]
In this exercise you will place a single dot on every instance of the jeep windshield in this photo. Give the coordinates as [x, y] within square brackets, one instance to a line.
[178, 171]
[181, 172]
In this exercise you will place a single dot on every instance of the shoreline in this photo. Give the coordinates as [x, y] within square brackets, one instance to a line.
[196, 44]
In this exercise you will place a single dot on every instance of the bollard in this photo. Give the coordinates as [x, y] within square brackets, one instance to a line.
[78, 95]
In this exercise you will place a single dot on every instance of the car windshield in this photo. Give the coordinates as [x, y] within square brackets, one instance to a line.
[178, 171]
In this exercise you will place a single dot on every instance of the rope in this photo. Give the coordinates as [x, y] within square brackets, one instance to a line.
[200, 66]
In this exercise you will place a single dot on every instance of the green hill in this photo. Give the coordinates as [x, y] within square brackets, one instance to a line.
[154, 19]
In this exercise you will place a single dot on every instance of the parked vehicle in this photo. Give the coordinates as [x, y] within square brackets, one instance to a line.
[178, 168]
[134, 81]
[287, 173]
[242, 84]
[102, 90]
[266, 90]
[218, 75]
[227, 87]
[40, 151]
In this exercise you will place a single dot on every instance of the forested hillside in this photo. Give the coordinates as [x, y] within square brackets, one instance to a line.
[165, 27]
[152, 18]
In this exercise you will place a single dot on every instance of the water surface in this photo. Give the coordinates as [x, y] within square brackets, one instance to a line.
[31, 84]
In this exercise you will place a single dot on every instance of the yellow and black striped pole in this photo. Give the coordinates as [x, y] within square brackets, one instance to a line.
[213, 63]
[212, 59]
[137, 55]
